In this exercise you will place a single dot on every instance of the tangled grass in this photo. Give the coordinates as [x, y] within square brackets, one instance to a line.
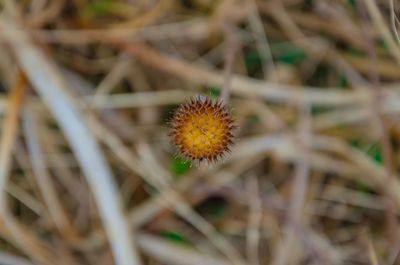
[87, 171]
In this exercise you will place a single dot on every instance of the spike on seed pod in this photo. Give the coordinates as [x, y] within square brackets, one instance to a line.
[202, 129]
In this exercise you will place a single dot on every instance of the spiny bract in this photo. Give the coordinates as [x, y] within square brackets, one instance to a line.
[202, 129]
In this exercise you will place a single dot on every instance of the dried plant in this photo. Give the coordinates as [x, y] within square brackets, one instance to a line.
[202, 129]
[311, 157]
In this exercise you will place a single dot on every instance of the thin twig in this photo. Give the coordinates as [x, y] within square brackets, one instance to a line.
[254, 222]
[262, 43]
[164, 251]
[8, 259]
[243, 86]
[391, 219]
[53, 89]
[384, 31]
[230, 54]
[299, 188]
[46, 186]
[393, 19]
[13, 229]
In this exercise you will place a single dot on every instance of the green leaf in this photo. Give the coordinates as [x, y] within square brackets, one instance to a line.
[253, 61]
[292, 56]
[383, 45]
[309, 3]
[253, 119]
[362, 186]
[319, 109]
[214, 92]
[97, 8]
[355, 52]
[174, 237]
[355, 143]
[212, 207]
[353, 4]
[342, 82]
[180, 166]
[375, 152]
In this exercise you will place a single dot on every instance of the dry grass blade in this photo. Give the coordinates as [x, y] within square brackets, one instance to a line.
[11, 229]
[158, 179]
[254, 222]
[382, 124]
[394, 20]
[52, 88]
[262, 43]
[243, 85]
[383, 29]
[8, 259]
[170, 253]
[290, 241]
[155, 177]
[9, 136]
[46, 185]
[372, 252]
[231, 50]
[313, 88]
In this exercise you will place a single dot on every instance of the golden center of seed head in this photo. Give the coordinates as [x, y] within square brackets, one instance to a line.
[202, 129]
[203, 134]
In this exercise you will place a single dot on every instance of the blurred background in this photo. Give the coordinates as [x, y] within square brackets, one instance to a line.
[88, 173]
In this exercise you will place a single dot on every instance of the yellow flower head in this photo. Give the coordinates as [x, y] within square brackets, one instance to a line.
[202, 129]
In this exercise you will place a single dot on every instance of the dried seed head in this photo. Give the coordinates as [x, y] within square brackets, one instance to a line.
[202, 129]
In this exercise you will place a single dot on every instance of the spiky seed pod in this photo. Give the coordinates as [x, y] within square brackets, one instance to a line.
[202, 129]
